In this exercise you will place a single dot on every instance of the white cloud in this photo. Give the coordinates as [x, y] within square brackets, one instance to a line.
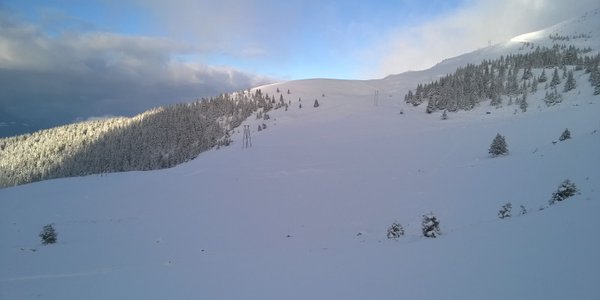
[469, 28]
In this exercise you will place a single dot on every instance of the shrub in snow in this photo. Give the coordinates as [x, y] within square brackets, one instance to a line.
[444, 115]
[430, 226]
[225, 141]
[565, 190]
[395, 231]
[264, 126]
[498, 146]
[259, 127]
[48, 235]
[504, 211]
[316, 103]
[565, 135]
[523, 210]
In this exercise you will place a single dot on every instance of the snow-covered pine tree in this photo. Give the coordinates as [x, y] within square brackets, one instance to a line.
[496, 100]
[395, 231]
[565, 190]
[534, 86]
[570, 84]
[555, 78]
[498, 146]
[48, 234]
[444, 115]
[512, 85]
[565, 135]
[505, 211]
[527, 73]
[430, 106]
[543, 77]
[523, 103]
[316, 103]
[594, 78]
[552, 97]
[430, 226]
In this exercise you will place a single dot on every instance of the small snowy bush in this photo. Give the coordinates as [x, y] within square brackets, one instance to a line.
[504, 211]
[316, 103]
[523, 210]
[430, 226]
[395, 231]
[565, 190]
[565, 135]
[48, 235]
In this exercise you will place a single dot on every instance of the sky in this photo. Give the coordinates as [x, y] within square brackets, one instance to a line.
[63, 61]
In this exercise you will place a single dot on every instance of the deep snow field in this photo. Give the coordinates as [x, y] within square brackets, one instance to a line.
[303, 213]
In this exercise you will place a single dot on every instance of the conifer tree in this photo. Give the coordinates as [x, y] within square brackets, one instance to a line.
[395, 231]
[48, 234]
[527, 73]
[543, 77]
[430, 226]
[523, 104]
[565, 190]
[534, 86]
[505, 211]
[498, 146]
[565, 135]
[570, 84]
[555, 79]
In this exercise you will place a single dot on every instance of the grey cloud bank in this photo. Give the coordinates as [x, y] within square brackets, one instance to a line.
[52, 79]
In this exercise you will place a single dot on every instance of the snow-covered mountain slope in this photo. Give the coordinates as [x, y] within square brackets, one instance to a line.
[582, 32]
[303, 213]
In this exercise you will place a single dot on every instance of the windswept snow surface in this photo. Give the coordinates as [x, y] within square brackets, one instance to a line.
[303, 213]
